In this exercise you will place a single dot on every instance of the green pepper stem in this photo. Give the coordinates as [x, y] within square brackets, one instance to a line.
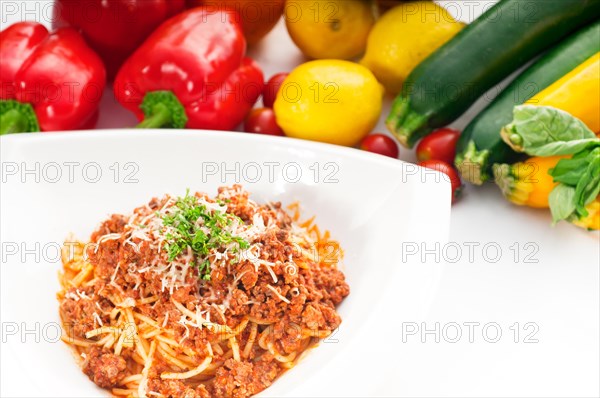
[162, 110]
[161, 117]
[16, 117]
[13, 122]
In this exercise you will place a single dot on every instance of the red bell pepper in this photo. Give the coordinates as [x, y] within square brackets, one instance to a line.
[115, 28]
[16, 45]
[49, 81]
[192, 73]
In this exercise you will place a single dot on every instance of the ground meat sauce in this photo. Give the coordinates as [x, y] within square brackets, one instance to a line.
[104, 368]
[152, 316]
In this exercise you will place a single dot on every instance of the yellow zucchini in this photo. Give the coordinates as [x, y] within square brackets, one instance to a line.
[527, 183]
[578, 92]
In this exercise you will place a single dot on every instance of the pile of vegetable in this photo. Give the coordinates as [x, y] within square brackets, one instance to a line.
[572, 149]
[183, 64]
[536, 139]
[172, 67]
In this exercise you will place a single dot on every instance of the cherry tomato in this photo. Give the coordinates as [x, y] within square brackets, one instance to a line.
[262, 121]
[381, 144]
[439, 145]
[447, 169]
[271, 89]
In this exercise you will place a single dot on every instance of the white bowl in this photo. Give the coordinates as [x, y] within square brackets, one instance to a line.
[380, 209]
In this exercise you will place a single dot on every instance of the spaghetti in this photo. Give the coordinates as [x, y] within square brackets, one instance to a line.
[199, 296]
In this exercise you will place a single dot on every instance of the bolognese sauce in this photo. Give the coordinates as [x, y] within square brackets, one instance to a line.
[199, 296]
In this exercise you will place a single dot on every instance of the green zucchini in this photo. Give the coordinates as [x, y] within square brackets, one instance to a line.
[496, 44]
[480, 145]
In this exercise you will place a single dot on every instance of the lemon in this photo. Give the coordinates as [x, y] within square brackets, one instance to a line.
[332, 101]
[330, 28]
[405, 36]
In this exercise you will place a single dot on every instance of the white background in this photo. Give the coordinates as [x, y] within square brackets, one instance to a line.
[557, 291]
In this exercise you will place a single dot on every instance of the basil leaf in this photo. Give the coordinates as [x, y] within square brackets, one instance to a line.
[571, 171]
[547, 131]
[562, 202]
[589, 186]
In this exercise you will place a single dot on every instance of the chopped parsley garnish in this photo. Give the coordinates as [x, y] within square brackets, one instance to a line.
[196, 227]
